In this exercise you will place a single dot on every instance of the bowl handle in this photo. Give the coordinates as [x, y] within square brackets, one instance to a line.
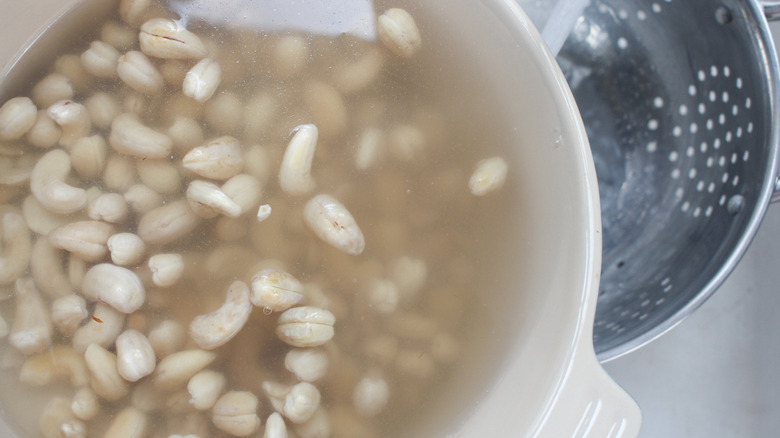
[590, 404]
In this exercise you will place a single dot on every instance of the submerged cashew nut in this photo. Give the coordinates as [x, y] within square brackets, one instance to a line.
[166, 269]
[135, 355]
[86, 239]
[295, 173]
[164, 38]
[106, 381]
[220, 159]
[398, 32]
[131, 137]
[202, 80]
[74, 120]
[167, 223]
[301, 402]
[56, 364]
[102, 329]
[47, 270]
[236, 413]
[176, 369]
[208, 200]
[17, 116]
[218, 327]
[31, 330]
[332, 222]
[16, 245]
[205, 388]
[47, 183]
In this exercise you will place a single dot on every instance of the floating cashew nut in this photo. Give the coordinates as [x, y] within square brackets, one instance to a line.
[114, 285]
[305, 326]
[208, 200]
[204, 389]
[135, 355]
[68, 312]
[489, 176]
[276, 290]
[47, 183]
[332, 222]
[220, 159]
[17, 246]
[236, 413]
[47, 270]
[31, 330]
[17, 116]
[218, 327]
[397, 30]
[301, 402]
[58, 417]
[295, 173]
[74, 120]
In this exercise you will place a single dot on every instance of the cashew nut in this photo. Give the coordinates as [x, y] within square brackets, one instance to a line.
[56, 364]
[87, 239]
[16, 246]
[31, 330]
[47, 183]
[47, 270]
[218, 327]
[74, 120]
[114, 285]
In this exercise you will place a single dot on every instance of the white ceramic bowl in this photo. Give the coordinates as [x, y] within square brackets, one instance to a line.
[535, 372]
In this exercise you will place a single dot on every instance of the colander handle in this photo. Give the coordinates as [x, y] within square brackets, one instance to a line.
[590, 404]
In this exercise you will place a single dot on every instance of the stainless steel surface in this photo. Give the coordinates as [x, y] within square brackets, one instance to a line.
[679, 99]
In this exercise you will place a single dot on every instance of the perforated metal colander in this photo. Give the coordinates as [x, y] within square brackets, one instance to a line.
[679, 99]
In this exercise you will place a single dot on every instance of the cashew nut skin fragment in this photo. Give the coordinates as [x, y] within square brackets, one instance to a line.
[56, 364]
[167, 223]
[114, 285]
[135, 355]
[176, 369]
[74, 120]
[305, 326]
[106, 381]
[276, 290]
[87, 239]
[236, 413]
[101, 329]
[16, 245]
[164, 38]
[131, 137]
[219, 159]
[128, 423]
[295, 172]
[31, 330]
[17, 116]
[47, 183]
[213, 329]
[330, 220]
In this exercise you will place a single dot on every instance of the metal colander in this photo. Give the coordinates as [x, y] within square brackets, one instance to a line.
[679, 100]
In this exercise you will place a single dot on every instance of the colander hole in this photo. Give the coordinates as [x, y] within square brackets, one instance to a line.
[623, 14]
[666, 281]
[750, 128]
[711, 188]
[725, 97]
[710, 161]
[676, 174]
[722, 119]
[652, 124]
[735, 181]
[656, 8]
[643, 316]
[683, 110]
[658, 102]
[748, 103]
[703, 147]
[660, 301]
[710, 124]
[620, 264]
[702, 76]
[726, 71]
[641, 15]
[692, 173]
[708, 211]
[729, 136]
[690, 152]
[652, 147]
[692, 90]
[716, 143]
[679, 192]
[713, 96]
[702, 108]
[644, 303]
[685, 207]
[700, 186]
[739, 83]
[676, 131]
[746, 155]
[734, 110]
[622, 43]
[722, 200]
[734, 158]
[722, 161]
[673, 156]
[668, 288]
[724, 178]
[714, 71]
[697, 212]
[694, 128]
[723, 15]
[735, 204]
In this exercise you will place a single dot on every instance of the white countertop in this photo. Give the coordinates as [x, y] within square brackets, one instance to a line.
[717, 374]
